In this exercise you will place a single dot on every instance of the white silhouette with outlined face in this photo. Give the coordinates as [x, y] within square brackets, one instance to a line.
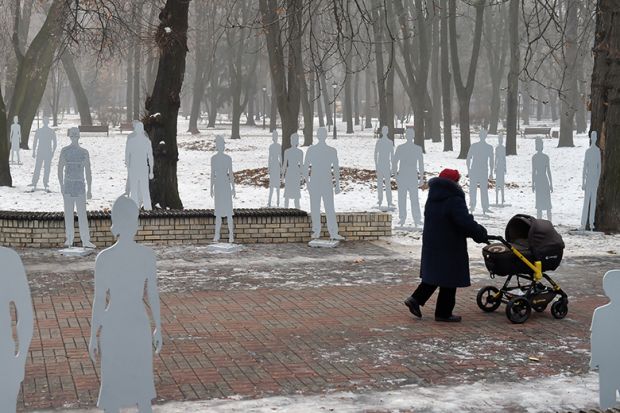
[292, 172]
[15, 139]
[322, 174]
[408, 168]
[222, 189]
[384, 154]
[75, 179]
[43, 149]
[591, 177]
[604, 341]
[480, 168]
[500, 169]
[120, 316]
[275, 168]
[542, 182]
[14, 292]
[140, 162]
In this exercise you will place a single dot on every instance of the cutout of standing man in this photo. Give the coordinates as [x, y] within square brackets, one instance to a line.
[542, 183]
[139, 160]
[408, 168]
[480, 168]
[275, 168]
[222, 189]
[45, 141]
[15, 139]
[291, 171]
[14, 290]
[591, 177]
[322, 174]
[73, 168]
[384, 154]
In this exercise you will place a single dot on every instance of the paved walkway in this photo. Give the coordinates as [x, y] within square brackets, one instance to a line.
[290, 320]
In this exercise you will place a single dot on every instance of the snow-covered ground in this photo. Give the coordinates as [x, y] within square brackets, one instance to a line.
[355, 151]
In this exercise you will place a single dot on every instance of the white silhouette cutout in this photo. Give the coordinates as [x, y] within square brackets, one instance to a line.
[480, 168]
[292, 172]
[15, 290]
[15, 139]
[500, 169]
[322, 174]
[591, 176]
[542, 183]
[384, 154]
[45, 142]
[140, 162]
[73, 167]
[275, 168]
[121, 319]
[408, 168]
[222, 189]
[604, 342]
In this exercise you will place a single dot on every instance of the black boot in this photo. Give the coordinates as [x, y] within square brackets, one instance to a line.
[451, 319]
[414, 307]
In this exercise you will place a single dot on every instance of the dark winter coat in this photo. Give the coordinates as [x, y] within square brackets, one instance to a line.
[447, 225]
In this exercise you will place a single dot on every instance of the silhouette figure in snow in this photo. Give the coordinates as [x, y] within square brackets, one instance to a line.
[121, 319]
[480, 168]
[591, 177]
[292, 172]
[500, 169]
[384, 154]
[408, 168]
[322, 174]
[222, 189]
[604, 341]
[14, 291]
[73, 171]
[43, 150]
[542, 183]
[140, 162]
[275, 168]
[15, 138]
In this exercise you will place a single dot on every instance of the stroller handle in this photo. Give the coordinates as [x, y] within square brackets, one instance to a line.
[499, 239]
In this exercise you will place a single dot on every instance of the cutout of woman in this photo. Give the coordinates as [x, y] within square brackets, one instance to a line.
[222, 189]
[14, 290]
[542, 183]
[291, 171]
[15, 140]
[126, 338]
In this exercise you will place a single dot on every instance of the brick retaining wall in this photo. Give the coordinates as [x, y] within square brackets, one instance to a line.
[47, 230]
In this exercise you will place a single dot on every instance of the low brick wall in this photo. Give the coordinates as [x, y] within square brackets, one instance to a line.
[47, 230]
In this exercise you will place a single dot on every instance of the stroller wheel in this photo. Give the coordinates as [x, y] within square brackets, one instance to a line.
[489, 299]
[518, 310]
[559, 309]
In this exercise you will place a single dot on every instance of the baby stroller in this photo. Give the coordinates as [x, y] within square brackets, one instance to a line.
[532, 247]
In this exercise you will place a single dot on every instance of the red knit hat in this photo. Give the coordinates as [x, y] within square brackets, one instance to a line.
[451, 174]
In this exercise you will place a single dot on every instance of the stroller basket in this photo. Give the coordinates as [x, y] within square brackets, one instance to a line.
[535, 238]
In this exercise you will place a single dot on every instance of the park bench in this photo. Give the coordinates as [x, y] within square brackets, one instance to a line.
[126, 126]
[93, 129]
[397, 131]
[546, 131]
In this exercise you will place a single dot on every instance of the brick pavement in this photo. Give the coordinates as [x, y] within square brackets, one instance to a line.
[324, 320]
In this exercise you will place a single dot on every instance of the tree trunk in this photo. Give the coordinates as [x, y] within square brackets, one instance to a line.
[162, 108]
[81, 99]
[527, 103]
[606, 112]
[129, 91]
[385, 76]
[348, 104]
[137, 69]
[319, 106]
[539, 105]
[309, 112]
[5, 149]
[326, 102]
[569, 89]
[369, 98]
[435, 126]
[446, 79]
[273, 115]
[512, 94]
[356, 97]
[581, 120]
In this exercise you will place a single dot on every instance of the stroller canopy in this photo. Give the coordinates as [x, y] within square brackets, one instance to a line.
[542, 238]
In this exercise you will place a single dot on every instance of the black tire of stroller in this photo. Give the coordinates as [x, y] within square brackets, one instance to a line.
[483, 299]
[559, 309]
[518, 310]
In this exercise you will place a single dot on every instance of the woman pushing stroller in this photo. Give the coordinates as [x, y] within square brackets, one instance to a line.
[445, 261]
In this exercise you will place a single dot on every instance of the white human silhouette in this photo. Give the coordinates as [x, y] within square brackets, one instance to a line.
[73, 167]
[384, 154]
[15, 290]
[408, 168]
[500, 169]
[120, 317]
[275, 168]
[291, 171]
[542, 183]
[140, 162]
[129, 137]
[15, 138]
[591, 176]
[480, 168]
[604, 341]
[45, 141]
[322, 174]
[222, 189]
